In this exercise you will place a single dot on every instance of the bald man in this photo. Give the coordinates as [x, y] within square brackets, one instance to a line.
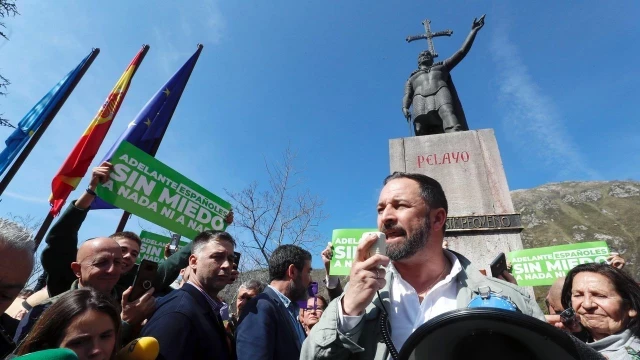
[98, 265]
[554, 305]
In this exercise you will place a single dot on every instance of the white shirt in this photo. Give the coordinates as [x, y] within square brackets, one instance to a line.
[407, 313]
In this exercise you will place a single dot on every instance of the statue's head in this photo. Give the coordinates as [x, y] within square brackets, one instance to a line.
[425, 58]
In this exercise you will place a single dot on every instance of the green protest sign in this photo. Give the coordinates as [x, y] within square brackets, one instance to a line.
[542, 266]
[345, 242]
[146, 187]
[153, 246]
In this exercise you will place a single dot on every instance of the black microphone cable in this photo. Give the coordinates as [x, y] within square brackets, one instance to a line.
[384, 330]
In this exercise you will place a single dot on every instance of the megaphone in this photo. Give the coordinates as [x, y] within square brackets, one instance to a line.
[492, 334]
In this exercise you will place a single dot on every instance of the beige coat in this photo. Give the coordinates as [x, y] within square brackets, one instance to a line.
[364, 342]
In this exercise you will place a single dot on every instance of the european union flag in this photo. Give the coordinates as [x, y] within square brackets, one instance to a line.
[36, 116]
[148, 127]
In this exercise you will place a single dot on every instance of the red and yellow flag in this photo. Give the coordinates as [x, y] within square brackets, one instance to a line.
[78, 161]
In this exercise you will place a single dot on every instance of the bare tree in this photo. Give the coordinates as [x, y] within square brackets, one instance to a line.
[284, 212]
[7, 8]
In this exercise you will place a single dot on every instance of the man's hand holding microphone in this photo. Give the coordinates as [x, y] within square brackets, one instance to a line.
[367, 274]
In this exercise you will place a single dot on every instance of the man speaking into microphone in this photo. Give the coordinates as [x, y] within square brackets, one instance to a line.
[421, 281]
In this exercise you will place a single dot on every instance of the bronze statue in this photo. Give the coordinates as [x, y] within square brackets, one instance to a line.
[436, 105]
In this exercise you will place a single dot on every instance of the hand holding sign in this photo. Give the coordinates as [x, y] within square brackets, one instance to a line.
[100, 175]
[327, 254]
[229, 218]
[616, 260]
[366, 278]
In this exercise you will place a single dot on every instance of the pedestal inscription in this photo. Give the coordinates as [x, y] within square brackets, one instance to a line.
[481, 221]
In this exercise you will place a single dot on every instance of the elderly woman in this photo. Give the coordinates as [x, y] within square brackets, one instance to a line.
[606, 301]
[310, 315]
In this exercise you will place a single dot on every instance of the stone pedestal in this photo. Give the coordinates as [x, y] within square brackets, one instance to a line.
[482, 222]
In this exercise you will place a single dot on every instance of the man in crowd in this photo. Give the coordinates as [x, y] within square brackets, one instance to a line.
[334, 288]
[422, 279]
[553, 302]
[62, 242]
[98, 264]
[16, 264]
[247, 291]
[269, 326]
[187, 322]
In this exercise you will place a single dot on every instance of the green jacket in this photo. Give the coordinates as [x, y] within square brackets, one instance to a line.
[62, 247]
[365, 341]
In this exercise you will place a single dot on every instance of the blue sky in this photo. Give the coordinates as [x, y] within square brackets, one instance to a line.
[556, 80]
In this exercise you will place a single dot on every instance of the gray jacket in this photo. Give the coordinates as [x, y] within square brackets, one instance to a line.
[365, 340]
[621, 346]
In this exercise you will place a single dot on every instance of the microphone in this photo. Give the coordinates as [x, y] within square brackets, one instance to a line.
[50, 354]
[144, 348]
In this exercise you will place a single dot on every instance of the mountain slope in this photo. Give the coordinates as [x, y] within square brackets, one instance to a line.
[570, 212]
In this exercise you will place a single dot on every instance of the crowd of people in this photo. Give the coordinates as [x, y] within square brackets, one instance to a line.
[84, 304]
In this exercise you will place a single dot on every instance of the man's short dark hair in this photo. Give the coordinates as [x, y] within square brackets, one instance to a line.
[127, 235]
[430, 189]
[207, 236]
[282, 257]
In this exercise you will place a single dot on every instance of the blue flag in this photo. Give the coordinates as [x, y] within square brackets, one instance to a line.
[36, 116]
[147, 128]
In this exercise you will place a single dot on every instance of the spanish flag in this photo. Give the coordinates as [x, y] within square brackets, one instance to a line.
[78, 161]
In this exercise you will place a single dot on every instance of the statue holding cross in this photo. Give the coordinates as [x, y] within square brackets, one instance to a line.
[436, 105]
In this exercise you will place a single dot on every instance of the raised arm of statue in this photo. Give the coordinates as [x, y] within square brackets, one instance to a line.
[407, 99]
[455, 59]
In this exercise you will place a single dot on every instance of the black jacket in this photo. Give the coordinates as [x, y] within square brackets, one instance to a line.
[8, 326]
[265, 331]
[186, 327]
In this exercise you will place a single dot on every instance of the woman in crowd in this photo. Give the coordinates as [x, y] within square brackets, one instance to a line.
[310, 316]
[606, 301]
[83, 320]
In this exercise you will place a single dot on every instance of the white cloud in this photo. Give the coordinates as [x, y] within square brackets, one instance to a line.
[27, 198]
[531, 116]
[214, 22]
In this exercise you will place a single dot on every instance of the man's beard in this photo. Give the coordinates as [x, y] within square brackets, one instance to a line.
[411, 245]
[297, 291]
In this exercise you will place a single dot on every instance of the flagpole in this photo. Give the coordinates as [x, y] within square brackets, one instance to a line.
[126, 215]
[49, 219]
[45, 124]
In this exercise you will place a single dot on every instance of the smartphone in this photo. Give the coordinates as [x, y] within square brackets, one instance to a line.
[498, 265]
[145, 277]
[568, 316]
[236, 261]
[380, 247]
[173, 245]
